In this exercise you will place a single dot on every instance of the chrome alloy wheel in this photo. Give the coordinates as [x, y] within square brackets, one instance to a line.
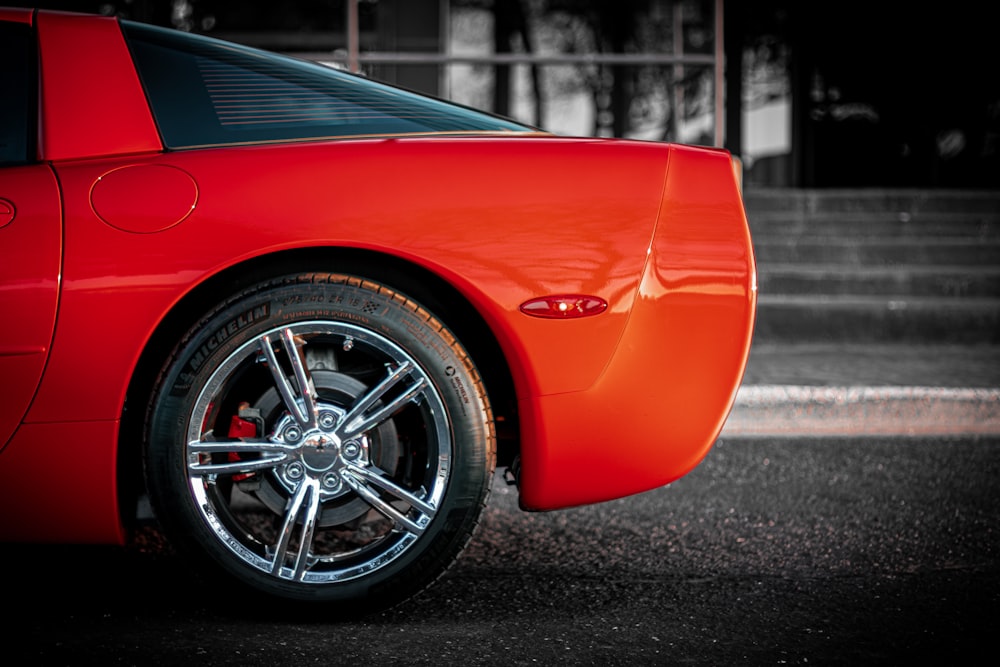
[318, 452]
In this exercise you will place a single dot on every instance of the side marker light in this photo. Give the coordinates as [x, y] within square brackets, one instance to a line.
[564, 306]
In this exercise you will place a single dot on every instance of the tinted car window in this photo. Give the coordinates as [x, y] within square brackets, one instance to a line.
[18, 62]
[204, 92]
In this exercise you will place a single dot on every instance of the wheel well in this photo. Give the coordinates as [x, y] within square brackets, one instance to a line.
[430, 290]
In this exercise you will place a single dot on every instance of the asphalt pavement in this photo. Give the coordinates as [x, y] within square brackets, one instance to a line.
[832, 551]
[865, 389]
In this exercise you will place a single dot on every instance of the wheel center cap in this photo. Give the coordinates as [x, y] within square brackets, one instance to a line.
[320, 451]
[320, 442]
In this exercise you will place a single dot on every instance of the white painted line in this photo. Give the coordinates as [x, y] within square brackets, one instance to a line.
[765, 410]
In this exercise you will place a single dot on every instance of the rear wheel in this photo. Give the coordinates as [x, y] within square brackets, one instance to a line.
[321, 438]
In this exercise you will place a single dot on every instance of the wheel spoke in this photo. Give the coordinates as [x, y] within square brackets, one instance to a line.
[303, 406]
[357, 421]
[362, 479]
[250, 456]
[305, 503]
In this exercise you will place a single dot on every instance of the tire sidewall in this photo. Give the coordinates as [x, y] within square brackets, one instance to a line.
[340, 299]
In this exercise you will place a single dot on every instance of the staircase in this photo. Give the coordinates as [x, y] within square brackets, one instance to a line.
[876, 266]
[878, 315]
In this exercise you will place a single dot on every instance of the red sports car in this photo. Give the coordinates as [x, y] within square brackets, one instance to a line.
[306, 315]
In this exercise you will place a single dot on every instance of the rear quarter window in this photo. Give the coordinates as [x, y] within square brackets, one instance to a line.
[204, 92]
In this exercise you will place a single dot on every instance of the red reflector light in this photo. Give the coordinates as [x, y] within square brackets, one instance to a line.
[564, 306]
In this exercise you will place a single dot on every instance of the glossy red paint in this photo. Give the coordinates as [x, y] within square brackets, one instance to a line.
[610, 404]
[56, 487]
[662, 399]
[31, 247]
[15, 15]
[122, 196]
[92, 103]
[7, 212]
[261, 200]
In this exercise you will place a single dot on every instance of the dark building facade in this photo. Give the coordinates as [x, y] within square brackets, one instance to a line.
[883, 93]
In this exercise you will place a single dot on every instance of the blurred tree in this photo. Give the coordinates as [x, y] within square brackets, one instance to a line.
[511, 23]
[629, 98]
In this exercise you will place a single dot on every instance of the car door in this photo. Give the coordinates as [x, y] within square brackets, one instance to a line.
[30, 232]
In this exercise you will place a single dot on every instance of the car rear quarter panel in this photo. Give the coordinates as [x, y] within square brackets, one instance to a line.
[661, 402]
[502, 221]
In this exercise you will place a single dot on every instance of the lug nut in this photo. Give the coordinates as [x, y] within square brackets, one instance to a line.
[331, 481]
[352, 449]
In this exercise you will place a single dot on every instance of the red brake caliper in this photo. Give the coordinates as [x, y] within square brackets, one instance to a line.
[244, 424]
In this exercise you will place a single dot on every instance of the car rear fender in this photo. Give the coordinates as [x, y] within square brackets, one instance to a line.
[662, 400]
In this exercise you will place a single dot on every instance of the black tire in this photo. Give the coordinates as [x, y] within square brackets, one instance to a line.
[381, 469]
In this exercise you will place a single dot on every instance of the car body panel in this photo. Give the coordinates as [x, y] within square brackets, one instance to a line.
[239, 217]
[17, 15]
[59, 484]
[664, 396]
[92, 103]
[29, 285]
[609, 405]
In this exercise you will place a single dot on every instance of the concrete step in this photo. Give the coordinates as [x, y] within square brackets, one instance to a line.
[899, 280]
[899, 202]
[822, 317]
[874, 224]
[895, 364]
[876, 266]
[860, 251]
